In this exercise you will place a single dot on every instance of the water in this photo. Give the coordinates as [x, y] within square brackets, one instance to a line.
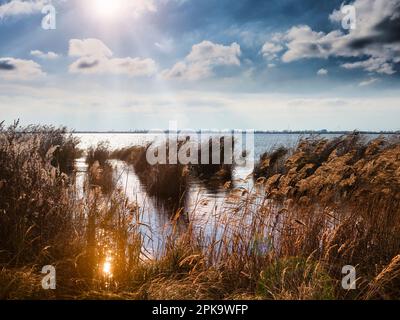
[204, 205]
[263, 142]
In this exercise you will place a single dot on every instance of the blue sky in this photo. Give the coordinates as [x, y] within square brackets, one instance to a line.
[138, 64]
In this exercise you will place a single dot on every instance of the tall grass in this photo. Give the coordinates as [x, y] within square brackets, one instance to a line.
[313, 209]
[35, 203]
[100, 173]
[341, 203]
[42, 222]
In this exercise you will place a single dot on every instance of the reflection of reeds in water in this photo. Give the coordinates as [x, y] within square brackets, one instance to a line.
[167, 183]
[338, 205]
[221, 169]
[214, 176]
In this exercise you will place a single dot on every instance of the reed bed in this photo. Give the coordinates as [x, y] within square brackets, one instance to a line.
[312, 210]
[341, 204]
[100, 173]
[166, 183]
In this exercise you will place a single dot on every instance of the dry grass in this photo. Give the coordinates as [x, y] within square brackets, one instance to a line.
[100, 173]
[386, 284]
[35, 203]
[272, 163]
[341, 202]
[22, 283]
[321, 206]
[100, 153]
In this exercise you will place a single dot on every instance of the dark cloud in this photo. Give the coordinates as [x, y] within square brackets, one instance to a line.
[87, 64]
[390, 28]
[386, 31]
[6, 65]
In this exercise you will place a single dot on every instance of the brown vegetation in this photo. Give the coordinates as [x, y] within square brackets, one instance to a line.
[328, 203]
[341, 203]
[100, 173]
[35, 203]
[166, 182]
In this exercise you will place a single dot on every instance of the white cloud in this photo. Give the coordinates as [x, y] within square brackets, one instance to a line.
[96, 58]
[322, 72]
[19, 7]
[88, 48]
[368, 82]
[303, 42]
[215, 54]
[378, 65]
[202, 60]
[270, 50]
[18, 69]
[43, 55]
[134, 67]
[375, 38]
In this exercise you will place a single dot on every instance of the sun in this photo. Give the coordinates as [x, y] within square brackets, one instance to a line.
[107, 8]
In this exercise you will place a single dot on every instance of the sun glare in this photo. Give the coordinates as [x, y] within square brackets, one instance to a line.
[107, 267]
[107, 8]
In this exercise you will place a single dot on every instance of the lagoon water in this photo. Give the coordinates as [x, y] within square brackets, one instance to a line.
[203, 205]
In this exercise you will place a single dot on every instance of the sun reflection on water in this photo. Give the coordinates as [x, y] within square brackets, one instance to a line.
[107, 267]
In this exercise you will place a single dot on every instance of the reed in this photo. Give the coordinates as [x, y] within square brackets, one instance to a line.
[35, 202]
[100, 173]
[313, 209]
[165, 182]
[170, 181]
[221, 171]
[100, 153]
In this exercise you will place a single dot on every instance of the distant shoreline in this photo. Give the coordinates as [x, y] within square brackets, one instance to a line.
[231, 131]
[222, 132]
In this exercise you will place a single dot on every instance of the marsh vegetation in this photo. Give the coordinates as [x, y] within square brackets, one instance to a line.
[312, 209]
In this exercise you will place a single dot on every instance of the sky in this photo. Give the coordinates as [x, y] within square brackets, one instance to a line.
[206, 64]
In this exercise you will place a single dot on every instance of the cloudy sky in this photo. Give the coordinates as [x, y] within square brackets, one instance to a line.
[138, 64]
